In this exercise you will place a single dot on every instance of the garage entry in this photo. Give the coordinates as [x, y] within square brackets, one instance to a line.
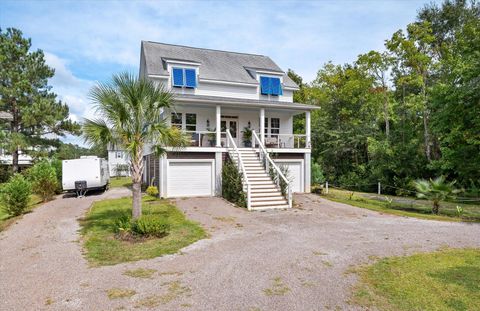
[295, 171]
[190, 178]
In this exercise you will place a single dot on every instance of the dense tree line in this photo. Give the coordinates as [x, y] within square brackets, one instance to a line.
[410, 111]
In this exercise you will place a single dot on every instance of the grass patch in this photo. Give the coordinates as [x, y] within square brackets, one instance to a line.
[140, 273]
[117, 293]
[278, 288]
[6, 220]
[416, 208]
[116, 182]
[175, 290]
[99, 237]
[443, 280]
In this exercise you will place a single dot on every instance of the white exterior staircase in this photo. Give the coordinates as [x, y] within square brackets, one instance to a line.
[265, 194]
[261, 191]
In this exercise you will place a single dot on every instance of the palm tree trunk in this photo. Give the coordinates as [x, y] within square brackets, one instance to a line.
[137, 168]
[436, 207]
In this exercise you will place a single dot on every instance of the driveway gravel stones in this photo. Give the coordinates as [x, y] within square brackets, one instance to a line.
[296, 259]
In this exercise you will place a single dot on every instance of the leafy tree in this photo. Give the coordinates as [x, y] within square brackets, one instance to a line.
[44, 180]
[15, 195]
[435, 190]
[129, 111]
[36, 112]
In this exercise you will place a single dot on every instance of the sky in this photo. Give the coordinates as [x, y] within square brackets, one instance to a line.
[88, 41]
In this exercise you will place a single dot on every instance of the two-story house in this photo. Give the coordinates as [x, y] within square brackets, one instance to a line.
[231, 105]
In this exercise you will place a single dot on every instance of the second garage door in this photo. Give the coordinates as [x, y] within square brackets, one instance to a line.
[295, 172]
[190, 179]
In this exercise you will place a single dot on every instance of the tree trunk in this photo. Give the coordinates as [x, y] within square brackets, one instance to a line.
[137, 168]
[15, 129]
[436, 207]
[386, 115]
[426, 134]
[137, 200]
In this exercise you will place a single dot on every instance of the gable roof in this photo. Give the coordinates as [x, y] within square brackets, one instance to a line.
[214, 64]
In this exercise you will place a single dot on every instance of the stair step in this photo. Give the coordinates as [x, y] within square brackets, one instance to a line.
[262, 208]
[269, 203]
[264, 190]
[267, 186]
[269, 198]
[265, 194]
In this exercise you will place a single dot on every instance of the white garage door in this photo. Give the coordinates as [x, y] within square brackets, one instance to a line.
[295, 171]
[189, 179]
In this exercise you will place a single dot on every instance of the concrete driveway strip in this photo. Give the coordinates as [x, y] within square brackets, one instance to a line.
[277, 260]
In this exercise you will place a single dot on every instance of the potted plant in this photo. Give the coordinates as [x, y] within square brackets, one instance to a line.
[247, 137]
[211, 136]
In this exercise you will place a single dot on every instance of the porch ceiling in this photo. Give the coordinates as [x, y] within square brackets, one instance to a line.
[235, 102]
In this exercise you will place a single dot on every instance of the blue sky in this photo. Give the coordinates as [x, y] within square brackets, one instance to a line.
[88, 41]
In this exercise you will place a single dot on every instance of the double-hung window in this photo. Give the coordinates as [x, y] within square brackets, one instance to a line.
[191, 122]
[270, 86]
[274, 126]
[177, 120]
[184, 77]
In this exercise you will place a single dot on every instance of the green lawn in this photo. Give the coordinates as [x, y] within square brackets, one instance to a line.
[103, 249]
[443, 280]
[120, 182]
[402, 206]
[6, 220]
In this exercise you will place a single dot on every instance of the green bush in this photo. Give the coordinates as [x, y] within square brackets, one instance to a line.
[151, 225]
[15, 195]
[5, 173]
[123, 225]
[152, 191]
[57, 165]
[44, 179]
[317, 174]
[232, 187]
[145, 226]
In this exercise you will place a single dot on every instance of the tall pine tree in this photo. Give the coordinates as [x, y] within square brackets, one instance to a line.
[38, 118]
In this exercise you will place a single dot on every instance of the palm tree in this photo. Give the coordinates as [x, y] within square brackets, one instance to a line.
[129, 114]
[436, 190]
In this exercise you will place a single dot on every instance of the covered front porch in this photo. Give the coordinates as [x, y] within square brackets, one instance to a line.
[206, 124]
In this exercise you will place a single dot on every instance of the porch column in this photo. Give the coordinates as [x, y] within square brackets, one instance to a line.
[218, 126]
[307, 129]
[262, 125]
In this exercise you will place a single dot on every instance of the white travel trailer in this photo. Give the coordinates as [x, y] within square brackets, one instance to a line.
[86, 173]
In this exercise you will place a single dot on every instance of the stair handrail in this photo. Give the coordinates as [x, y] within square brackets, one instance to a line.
[264, 155]
[241, 167]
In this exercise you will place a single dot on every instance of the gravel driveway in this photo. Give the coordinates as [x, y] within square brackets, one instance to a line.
[278, 260]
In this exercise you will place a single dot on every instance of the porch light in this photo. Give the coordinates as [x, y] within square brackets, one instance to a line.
[249, 124]
[208, 123]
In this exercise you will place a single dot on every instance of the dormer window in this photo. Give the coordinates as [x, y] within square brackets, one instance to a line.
[184, 77]
[270, 86]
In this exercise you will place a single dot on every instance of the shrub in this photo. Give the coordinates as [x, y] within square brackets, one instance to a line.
[152, 191]
[317, 174]
[232, 187]
[44, 179]
[145, 226]
[121, 170]
[151, 225]
[57, 166]
[123, 225]
[5, 173]
[15, 195]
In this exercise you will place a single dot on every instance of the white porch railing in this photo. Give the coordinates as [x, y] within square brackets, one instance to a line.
[235, 154]
[202, 138]
[267, 161]
[286, 141]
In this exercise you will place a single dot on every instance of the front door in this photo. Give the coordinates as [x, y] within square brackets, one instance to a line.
[230, 123]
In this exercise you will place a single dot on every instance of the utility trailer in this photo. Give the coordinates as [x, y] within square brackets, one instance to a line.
[86, 173]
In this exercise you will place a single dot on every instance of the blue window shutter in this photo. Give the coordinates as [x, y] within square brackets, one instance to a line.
[276, 88]
[178, 77]
[265, 85]
[190, 78]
